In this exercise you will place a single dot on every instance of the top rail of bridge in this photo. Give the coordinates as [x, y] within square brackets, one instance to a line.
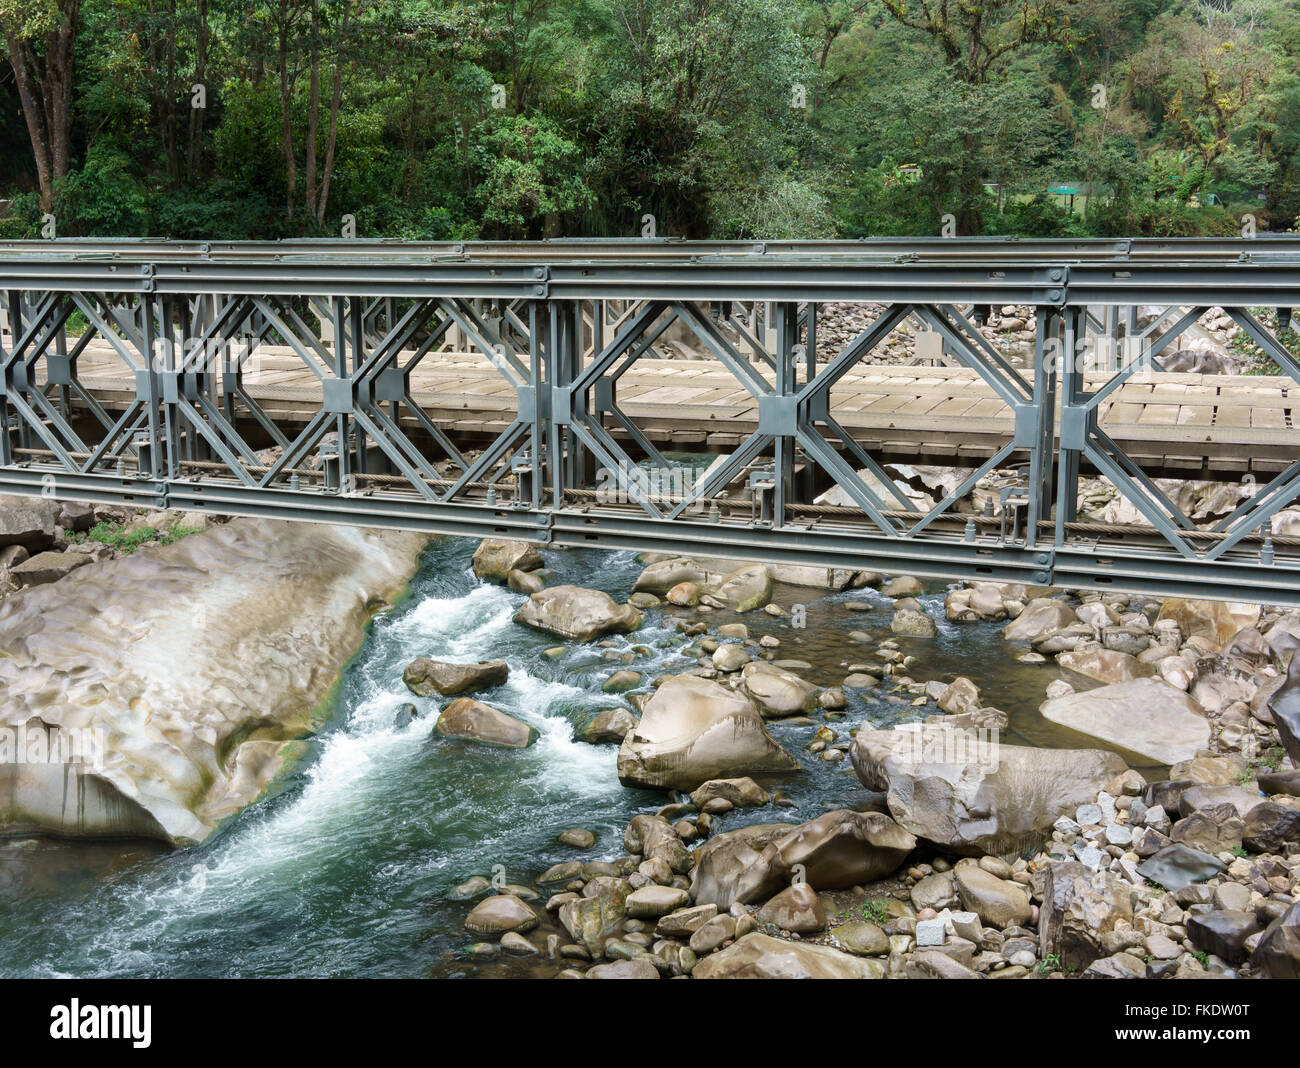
[902, 249]
[1259, 271]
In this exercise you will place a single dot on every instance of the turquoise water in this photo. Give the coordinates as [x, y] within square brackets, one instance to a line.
[345, 869]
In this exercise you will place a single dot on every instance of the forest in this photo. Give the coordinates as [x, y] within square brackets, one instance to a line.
[764, 119]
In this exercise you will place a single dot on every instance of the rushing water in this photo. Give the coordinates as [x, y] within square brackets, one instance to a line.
[346, 868]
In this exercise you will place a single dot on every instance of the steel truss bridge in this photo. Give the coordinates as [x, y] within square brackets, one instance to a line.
[561, 322]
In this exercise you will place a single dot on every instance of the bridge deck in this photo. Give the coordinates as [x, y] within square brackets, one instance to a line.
[1180, 425]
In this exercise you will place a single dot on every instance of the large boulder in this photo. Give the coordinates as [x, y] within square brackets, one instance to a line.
[760, 956]
[997, 902]
[746, 588]
[1105, 665]
[1284, 707]
[721, 860]
[1146, 716]
[826, 578]
[662, 575]
[495, 559]
[1278, 952]
[975, 802]
[1041, 617]
[499, 914]
[692, 730]
[777, 693]
[427, 677]
[596, 915]
[577, 613]
[1080, 907]
[199, 663]
[913, 623]
[27, 521]
[47, 567]
[796, 908]
[474, 721]
[654, 838]
[1223, 932]
[609, 725]
[743, 793]
[839, 849]
[1216, 621]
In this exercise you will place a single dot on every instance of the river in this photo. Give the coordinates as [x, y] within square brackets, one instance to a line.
[345, 869]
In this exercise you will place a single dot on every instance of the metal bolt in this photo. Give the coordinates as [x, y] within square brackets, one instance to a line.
[491, 495]
[970, 530]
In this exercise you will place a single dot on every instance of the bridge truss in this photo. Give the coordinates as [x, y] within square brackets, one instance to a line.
[562, 322]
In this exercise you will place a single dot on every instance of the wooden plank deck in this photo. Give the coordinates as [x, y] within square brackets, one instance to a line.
[914, 414]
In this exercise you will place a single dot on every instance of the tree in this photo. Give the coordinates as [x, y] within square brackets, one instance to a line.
[40, 38]
[1211, 77]
[976, 38]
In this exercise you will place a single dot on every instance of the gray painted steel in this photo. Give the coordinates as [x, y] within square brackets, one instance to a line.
[561, 322]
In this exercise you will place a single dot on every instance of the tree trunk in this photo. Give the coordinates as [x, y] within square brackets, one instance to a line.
[35, 116]
[313, 113]
[332, 137]
[286, 124]
[197, 115]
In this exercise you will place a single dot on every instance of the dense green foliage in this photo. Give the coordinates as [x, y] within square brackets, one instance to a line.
[449, 119]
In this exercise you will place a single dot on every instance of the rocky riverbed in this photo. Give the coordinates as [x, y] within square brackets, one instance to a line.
[582, 764]
[1001, 862]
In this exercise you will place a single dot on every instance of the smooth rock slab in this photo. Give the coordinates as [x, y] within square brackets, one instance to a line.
[200, 662]
[47, 567]
[1146, 716]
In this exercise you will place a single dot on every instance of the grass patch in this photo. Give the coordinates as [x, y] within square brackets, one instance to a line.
[875, 911]
[118, 538]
